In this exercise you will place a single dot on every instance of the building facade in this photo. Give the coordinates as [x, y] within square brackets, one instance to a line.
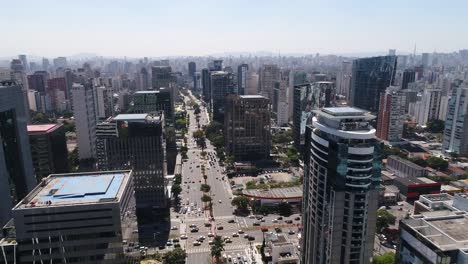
[222, 84]
[456, 123]
[161, 77]
[136, 141]
[74, 218]
[48, 149]
[269, 75]
[242, 73]
[342, 167]
[247, 127]
[391, 116]
[84, 111]
[154, 101]
[16, 169]
[192, 68]
[371, 76]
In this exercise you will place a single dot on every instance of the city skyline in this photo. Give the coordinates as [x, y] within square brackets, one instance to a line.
[181, 28]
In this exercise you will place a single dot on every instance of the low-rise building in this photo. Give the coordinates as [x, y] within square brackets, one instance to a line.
[412, 187]
[74, 218]
[280, 249]
[292, 195]
[437, 232]
[405, 168]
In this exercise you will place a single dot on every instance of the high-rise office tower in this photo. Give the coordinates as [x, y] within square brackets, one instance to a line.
[48, 149]
[391, 115]
[222, 84]
[37, 82]
[371, 76]
[192, 68]
[242, 72]
[430, 105]
[104, 102]
[16, 169]
[269, 75]
[216, 65]
[74, 218]
[343, 80]
[136, 141]
[60, 62]
[57, 92]
[280, 90]
[425, 57]
[24, 61]
[197, 82]
[456, 122]
[45, 64]
[18, 75]
[154, 101]
[309, 97]
[247, 127]
[296, 78]
[206, 83]
[84, 111]
[341, 180]
[408, 77]
[161, 77]
[252, 83]
[143, 80]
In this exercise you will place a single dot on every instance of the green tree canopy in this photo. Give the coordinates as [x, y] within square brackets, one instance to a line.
[176, 189]
[241, 202]
[206, 198]
[284, 208]
[217, 248]
[384, 220]
[437, 163]
[176, 256]
[387, 258]
[205, 188]
[435, 126]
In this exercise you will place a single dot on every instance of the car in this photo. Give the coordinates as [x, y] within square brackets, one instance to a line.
[256, 223]
[264, 229]
[162, 247]
[297, 218]
[193, 225]
[231, 221]
[263, 220]
[194, 230]
[174, 228]
[176, 245]
[207, 224]
[274, 221]
[196, 243]
[169, 243]
[280, 218]
[235, 235]
[278, 230]
[210, 242]
[251, 216]
[240, 231]
[175, 240]
[219, 201]
[184, 236]
[291, 232]
[210, 234]
[228, 241]
[202, 237]
[220, 228]
[246, 236]
[251, 238]
[289, 221]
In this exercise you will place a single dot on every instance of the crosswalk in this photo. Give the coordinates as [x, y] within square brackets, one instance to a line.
[207, 248]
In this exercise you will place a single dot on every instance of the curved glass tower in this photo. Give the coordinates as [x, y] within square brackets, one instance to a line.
[342, 172]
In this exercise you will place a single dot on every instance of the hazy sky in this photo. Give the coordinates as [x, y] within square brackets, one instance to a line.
[138, 28]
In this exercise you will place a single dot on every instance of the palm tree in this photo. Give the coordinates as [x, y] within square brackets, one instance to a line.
[217, 248]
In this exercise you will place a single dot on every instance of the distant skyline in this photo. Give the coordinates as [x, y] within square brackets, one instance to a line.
[140, 28]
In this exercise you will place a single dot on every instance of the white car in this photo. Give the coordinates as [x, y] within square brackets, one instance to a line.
[174, 228]
[196, 243]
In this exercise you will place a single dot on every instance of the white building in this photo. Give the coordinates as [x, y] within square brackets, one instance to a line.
[282, 114]
[84, 112]
[430, 106]
[456, 123]
[280, 249]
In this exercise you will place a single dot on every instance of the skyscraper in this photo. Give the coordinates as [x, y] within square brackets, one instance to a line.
[48, 149]
[309, 97]
[16, 169]
[216, 65]
[343, 80]
[192, 68]
[161, 76]
[24, 61]
[104, 102]
[408, 77]
[143, 80]
[456, 123]
[57, 92]
[242, 72]
[222, 84]
[136, 141]
[371, 76]
[269, 75]
[341, 177]
[84, 111]
[45, 64]
[206, 85]
[391, 115]
[247, 127]
[154, 101]
[430, 105]
[37, 82]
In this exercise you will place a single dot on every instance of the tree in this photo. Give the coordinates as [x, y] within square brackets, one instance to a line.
[181, 123]
[419, 162]
[384, 220]
[437, 163]
[217, 248]
[387, 258]
[206, 198]
[388, 151]
[205, 188]
[241, 202]
[176, 189]
[435, 126]
[293, 156]
[176, 256]
[284, 208]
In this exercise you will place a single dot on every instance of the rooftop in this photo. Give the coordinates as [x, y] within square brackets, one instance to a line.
[45, 128]
[415, 180]
[76, 189]
[252, 96]
[276, 193]
[138, 117]
[344, 111]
